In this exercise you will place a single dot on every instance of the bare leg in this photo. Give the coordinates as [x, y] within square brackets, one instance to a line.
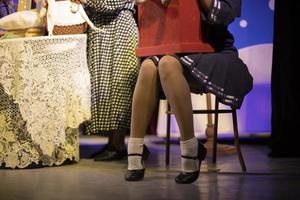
[145, 99]
[178, 93]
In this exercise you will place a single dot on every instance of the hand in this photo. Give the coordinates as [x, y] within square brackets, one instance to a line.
[76, 1]
[43, 9]
[79, 1]
[206, 5]
[165, 2]
[139, 1]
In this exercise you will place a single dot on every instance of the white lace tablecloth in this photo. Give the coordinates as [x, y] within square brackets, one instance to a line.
[44, 96]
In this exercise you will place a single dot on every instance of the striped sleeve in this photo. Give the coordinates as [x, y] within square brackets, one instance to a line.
[223, 12]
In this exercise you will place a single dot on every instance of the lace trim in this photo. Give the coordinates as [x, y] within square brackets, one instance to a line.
[45, 84]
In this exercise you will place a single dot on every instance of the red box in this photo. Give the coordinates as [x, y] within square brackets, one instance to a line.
[172, 29]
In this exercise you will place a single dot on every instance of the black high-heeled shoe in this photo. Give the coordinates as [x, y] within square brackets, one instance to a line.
[190, 177]
[137, 175]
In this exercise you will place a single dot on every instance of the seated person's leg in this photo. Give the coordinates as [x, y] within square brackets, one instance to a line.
[177, 91]
[145, 99]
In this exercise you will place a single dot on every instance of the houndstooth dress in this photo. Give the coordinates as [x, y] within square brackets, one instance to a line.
[112, 63]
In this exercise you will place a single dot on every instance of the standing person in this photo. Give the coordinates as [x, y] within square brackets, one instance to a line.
[222, 73]
[113, 69]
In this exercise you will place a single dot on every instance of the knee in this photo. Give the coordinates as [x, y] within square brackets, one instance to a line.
[147, 71]
[168, 66]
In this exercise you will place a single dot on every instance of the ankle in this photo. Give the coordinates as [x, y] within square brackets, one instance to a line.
[135, 163]
[135, 152]
[189, 154]
[117, 141]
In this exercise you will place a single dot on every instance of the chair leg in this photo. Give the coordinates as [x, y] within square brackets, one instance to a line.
[168, 135]
[236, 141]
[214, 157]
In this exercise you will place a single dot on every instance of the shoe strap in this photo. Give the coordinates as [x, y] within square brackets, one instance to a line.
[190, 157]
[135, 154]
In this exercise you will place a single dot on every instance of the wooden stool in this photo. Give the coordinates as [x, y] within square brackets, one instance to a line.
[216, 111]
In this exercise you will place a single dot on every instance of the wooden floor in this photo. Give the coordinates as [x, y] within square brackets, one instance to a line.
[266, 178]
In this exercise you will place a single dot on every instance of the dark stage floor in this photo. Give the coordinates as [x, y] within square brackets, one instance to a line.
[266, 178]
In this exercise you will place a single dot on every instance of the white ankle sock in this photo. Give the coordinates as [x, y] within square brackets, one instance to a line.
[135, 146]
[189, 148]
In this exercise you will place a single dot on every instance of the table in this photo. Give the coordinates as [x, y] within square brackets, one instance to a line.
[44, 96]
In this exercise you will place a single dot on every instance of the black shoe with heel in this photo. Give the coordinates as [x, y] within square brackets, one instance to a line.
[137, 175]
[190, 177]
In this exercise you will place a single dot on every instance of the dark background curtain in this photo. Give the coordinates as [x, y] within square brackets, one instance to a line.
[285, 81]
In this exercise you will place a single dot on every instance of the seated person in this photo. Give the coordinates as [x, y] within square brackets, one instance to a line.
[221, 73]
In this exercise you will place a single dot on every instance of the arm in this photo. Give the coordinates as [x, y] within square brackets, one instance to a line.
[221, 12]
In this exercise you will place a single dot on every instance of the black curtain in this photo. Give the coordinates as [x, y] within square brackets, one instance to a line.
[285, 82]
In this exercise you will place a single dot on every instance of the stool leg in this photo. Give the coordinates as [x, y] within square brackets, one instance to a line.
[168, 135]
[236, 141]
[214, 157]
